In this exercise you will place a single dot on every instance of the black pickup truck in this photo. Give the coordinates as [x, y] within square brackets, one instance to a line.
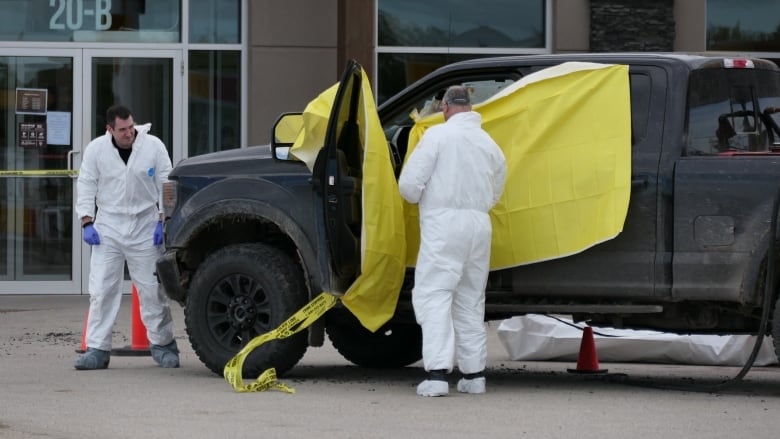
[244, 244]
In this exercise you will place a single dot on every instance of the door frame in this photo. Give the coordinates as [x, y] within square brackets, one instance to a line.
[81, 134]
[179, 116]
[74, 285]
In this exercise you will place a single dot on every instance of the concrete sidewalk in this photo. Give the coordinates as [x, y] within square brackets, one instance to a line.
[57, 321]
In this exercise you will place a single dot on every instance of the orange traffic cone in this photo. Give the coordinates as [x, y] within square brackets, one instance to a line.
[588, 360]
[139, 343]
[84, 335]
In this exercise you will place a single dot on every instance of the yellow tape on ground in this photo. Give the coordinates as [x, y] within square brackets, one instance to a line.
[299, 321]
[40, 173]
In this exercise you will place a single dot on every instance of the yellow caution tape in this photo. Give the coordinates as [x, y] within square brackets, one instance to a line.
[40, 173]
[299, 321]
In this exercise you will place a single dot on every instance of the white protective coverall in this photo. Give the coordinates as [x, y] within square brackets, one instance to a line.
[456, 173]
[127, 198]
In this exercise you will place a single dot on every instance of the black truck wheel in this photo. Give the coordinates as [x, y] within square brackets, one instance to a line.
[396, 344]
[237, 293]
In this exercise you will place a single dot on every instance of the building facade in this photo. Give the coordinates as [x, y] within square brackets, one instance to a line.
[214, 74]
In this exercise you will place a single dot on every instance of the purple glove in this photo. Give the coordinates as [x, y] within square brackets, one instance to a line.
[158, 234]
[91, 236]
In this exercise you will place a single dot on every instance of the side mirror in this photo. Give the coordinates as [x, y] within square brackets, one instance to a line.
[284, 132]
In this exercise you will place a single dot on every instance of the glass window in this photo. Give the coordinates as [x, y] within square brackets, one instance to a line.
[462, 23]
[640, 106]
[91, 20]
[479, 90]
[747, 25]
[732, 111]
[414, 38]
[142, 84]
[215, 21]
[397, 70]
[35, 211]
[215, 101]
[398, 124]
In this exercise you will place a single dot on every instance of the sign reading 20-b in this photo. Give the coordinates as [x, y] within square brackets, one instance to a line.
[72, 15]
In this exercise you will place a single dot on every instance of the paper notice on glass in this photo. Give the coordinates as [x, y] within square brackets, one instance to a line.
[58, 127]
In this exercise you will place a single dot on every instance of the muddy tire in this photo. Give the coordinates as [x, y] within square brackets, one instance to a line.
[237, 293]
[396, 344]
[776, 328]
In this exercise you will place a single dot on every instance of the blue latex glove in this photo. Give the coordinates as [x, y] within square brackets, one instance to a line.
[91, 236]
[158, 234]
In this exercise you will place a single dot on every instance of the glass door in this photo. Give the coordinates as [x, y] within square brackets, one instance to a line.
[38, 253]
[149, 82]
[52, 103]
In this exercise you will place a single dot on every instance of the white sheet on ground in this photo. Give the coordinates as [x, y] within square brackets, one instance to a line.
[540, 337]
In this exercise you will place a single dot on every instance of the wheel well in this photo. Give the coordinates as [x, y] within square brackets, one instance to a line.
[232, 229]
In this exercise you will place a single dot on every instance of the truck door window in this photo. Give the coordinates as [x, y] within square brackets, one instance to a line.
[397, 129]
[479, 90]
[640, 105]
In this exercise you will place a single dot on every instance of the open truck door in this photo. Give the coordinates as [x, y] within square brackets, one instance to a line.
[337, 180]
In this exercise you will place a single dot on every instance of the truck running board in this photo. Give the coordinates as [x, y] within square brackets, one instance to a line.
[569, 309]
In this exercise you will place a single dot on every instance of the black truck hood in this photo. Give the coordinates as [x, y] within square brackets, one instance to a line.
[254, 160]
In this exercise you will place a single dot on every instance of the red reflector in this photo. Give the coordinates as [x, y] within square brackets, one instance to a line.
[738, 63]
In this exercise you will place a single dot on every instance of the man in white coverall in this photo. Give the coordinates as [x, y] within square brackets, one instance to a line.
[456, 173]
[122, 173]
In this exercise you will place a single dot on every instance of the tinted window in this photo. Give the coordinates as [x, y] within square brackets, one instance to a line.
[640, 106]
[480, 90]
[214, 100]
[398, 70]
[416, 37]
[215, 21]
[461, 23]
[398, 125]
[155, 21]
[750, 25]
[732, 110]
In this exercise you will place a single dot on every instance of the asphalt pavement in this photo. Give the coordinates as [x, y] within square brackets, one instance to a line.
[43, 396]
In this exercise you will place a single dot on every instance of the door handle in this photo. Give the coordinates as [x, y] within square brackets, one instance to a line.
[638, 182]
[70, 155]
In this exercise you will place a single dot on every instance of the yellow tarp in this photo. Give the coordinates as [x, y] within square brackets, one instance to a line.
[565, 132]
[566, 135]
[373, 295]
[315, 125]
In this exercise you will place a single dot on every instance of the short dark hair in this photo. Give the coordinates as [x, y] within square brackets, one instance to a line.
[457, 95]
[115, 111]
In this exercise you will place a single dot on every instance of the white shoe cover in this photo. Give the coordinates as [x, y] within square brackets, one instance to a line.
[476, 385]
[433, 388]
